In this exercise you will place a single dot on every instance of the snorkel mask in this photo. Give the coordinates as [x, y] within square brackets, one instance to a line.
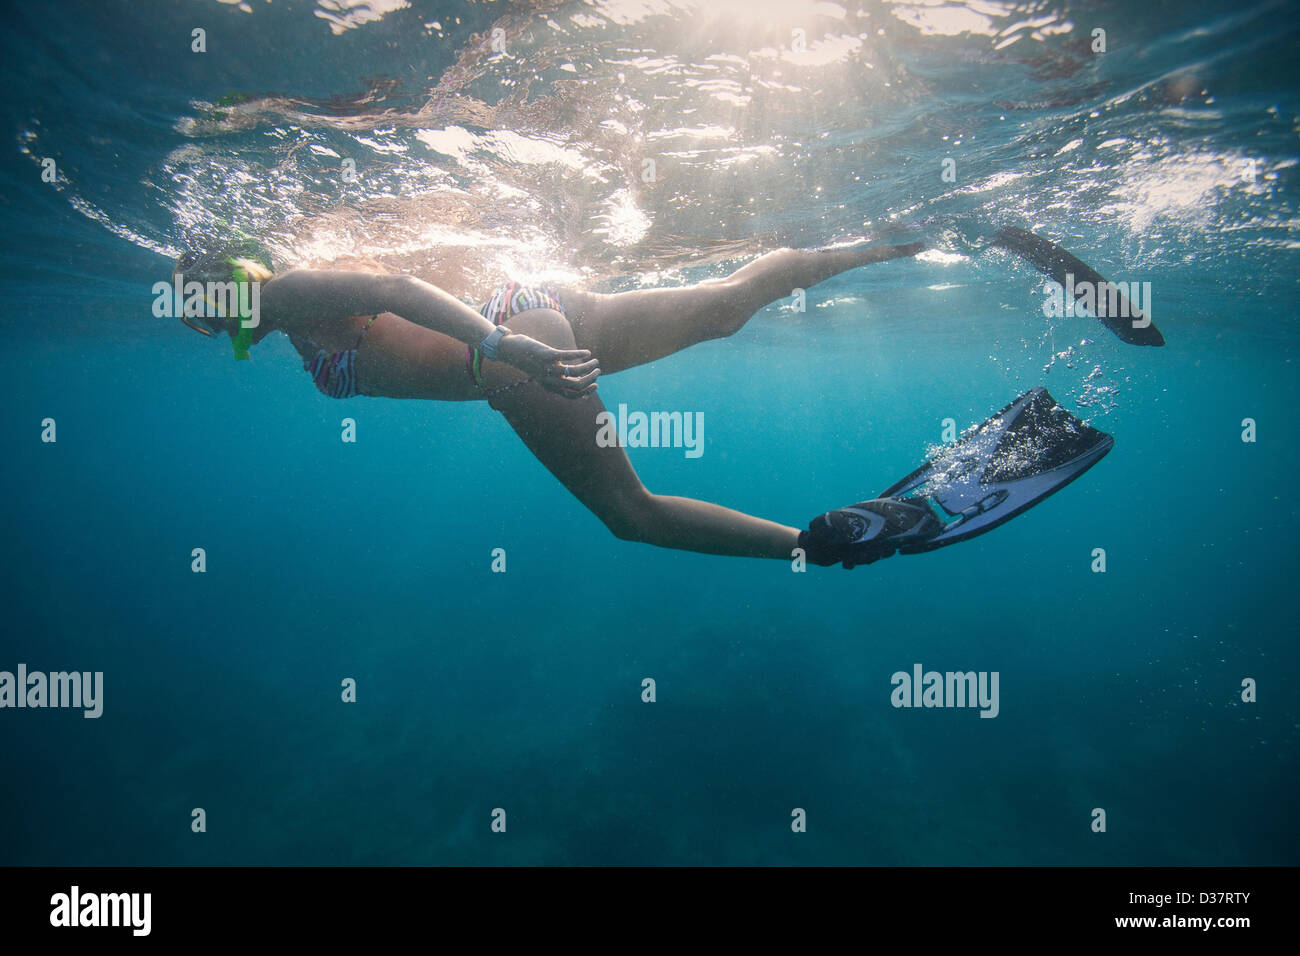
[227, 265]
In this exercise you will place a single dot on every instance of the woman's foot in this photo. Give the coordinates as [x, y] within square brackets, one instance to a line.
[867, 531]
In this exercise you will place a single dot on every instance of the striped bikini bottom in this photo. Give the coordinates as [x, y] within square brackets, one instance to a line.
[507, 301]
[335, 373]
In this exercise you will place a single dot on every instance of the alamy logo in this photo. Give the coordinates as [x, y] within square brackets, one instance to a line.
[950, 689]
[1116, 300]
[655, 430]
[210, 300]
[102, 909]
[56, 689]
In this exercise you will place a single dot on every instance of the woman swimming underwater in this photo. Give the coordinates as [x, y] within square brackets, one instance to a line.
[396, 336]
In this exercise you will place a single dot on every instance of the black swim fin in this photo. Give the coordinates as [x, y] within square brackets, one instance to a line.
[1111, 307]
[1029, 450]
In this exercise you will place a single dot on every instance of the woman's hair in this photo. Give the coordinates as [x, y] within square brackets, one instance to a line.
[256, 271]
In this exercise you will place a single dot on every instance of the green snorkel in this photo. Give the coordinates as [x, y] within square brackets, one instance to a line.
[244, 335]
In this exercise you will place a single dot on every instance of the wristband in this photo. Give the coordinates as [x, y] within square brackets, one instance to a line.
[489, 345]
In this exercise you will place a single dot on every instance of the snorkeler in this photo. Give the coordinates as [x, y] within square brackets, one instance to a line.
[396, 336]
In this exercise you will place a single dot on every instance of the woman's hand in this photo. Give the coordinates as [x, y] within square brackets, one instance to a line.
[568, 372]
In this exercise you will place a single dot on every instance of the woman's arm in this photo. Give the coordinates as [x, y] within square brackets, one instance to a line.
[309, 295]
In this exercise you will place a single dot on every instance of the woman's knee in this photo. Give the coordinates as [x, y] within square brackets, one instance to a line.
[724, 309]
[631, 517]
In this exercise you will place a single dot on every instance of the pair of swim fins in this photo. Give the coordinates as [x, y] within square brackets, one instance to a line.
[1026, 452]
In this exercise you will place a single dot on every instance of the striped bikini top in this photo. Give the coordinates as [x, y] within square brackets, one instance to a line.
[335, 373]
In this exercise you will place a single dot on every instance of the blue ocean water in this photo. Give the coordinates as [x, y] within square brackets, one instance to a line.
[1169, 158]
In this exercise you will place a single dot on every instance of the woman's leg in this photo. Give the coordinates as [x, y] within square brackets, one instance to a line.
[561, 432]
[632, 328]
